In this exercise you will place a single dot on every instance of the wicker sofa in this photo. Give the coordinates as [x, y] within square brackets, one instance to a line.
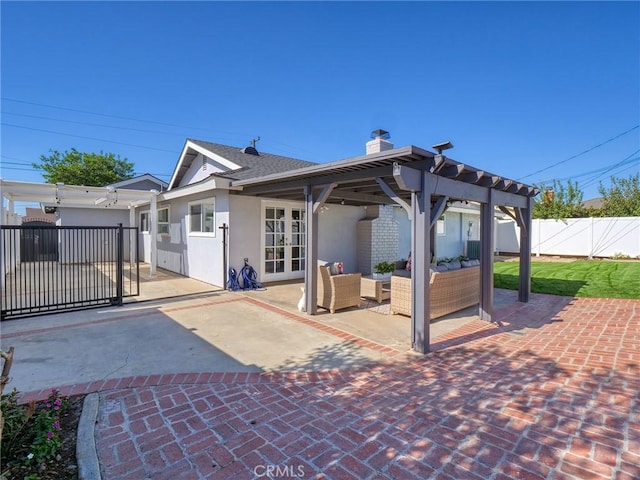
[338, 291]
[450, 291]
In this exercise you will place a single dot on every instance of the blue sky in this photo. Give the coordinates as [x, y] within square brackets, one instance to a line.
[519, 87]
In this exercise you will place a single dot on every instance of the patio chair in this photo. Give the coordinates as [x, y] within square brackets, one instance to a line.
[338, 291]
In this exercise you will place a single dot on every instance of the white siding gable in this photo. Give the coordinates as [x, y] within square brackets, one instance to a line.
[201, 168]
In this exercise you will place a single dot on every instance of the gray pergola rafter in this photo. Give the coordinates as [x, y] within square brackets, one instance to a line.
[423, 183]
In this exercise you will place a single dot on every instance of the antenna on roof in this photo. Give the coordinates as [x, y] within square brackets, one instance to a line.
[253, 142]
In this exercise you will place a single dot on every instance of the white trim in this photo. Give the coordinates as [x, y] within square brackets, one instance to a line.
[148, 214]
[210, 183]
[208, 202]
[167, 223]
[140, 178]
[288, 206]
[441, 225]
[203, 151]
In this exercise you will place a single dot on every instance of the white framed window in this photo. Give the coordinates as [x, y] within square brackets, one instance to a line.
[201, 219]
[163, 221]
[145, 226]
[440, 226]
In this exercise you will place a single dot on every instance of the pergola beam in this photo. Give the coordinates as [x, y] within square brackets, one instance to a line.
[326, 191]
[393, 196]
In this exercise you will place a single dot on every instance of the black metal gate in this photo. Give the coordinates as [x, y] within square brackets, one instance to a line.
[49, 268]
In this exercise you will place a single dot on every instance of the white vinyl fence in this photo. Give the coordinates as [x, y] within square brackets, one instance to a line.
[581, 237]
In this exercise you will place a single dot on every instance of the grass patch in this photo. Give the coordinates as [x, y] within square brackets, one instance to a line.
[582, 278]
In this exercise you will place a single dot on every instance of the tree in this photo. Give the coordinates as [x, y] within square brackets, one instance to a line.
[559, 201]
[90, 169]
[622, 199]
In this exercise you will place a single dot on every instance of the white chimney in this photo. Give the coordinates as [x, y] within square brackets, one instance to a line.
[380, 142]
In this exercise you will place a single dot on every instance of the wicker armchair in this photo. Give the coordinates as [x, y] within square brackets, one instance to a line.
[338, 291]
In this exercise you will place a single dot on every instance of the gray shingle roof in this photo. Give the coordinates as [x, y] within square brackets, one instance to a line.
[252, 166]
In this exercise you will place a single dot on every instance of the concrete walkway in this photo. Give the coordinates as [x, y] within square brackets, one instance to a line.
[550, 392]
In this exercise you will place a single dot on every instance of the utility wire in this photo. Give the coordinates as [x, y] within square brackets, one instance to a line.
[90, 124]
[88, 138]
[120, 117]
[286, 146]
[580, 154]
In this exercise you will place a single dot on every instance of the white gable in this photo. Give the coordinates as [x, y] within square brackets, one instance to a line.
[191, 168]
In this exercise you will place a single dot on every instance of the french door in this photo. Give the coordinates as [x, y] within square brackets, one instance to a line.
[283, 242]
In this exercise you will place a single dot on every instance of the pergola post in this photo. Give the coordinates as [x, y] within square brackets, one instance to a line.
[132, 244]
[525, 222]
[486, 257]
[311, 253]
[420, 263]
[153, 233]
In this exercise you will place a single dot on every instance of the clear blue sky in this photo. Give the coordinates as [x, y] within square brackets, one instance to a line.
[518, 87]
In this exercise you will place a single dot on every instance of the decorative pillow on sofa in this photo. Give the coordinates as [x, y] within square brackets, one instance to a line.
[335, 268]
[455, 265]
[402, 272]
[441, 268]
[470, 263]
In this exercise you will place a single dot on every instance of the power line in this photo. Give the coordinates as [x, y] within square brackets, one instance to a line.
[599, 172]
[120, 117]
[89, 124]
[233, 135]
[88, 138]
[581, 153]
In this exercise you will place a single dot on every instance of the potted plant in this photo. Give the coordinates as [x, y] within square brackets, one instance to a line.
[383, 270]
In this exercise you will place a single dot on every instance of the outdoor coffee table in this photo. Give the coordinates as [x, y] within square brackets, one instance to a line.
[376, 288]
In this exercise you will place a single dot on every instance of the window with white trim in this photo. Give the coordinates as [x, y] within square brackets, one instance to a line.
[202, 218]
[163, 221]
[144, 222]
[440, 226]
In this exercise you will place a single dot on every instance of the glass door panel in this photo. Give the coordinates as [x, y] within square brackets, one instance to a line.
[284, 242]
[297, 239]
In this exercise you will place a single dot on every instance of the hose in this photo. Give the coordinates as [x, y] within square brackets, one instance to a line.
[233, 284]
[249, 278]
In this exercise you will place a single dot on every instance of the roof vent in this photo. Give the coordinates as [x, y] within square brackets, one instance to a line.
[380, 142]
[252, 149]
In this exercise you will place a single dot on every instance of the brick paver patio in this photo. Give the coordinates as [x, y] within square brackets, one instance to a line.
[553, 392]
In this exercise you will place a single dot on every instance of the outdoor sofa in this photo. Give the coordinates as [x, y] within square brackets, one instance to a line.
[450, 290]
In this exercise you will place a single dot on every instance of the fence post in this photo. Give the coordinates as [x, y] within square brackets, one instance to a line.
[120, 266]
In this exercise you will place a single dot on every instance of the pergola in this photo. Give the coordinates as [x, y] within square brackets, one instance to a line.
[77, 196]
[422, 183]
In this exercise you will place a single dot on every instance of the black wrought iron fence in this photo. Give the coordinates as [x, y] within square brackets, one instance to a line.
[51, 268]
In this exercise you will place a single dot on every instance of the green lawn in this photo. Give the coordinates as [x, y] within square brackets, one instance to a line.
[582, 278]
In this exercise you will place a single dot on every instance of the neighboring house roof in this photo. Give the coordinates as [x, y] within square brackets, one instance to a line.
[37, 215]
[593, 203]
[143, 179]
[239, 165]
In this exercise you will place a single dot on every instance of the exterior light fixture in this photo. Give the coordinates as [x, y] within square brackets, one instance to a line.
[440, 147]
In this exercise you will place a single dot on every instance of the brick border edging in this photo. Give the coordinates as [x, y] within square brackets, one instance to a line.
[292, 377]
[194, 378]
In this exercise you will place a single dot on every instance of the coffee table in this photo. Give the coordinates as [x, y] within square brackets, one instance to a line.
[376, 288]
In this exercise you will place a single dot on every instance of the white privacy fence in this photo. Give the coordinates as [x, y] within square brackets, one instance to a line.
[583, 237]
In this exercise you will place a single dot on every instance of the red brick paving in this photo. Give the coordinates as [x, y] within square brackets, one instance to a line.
[552, 392]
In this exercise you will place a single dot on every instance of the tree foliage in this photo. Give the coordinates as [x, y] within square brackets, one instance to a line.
[559, 201]
[89, 169]
[622, 198]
